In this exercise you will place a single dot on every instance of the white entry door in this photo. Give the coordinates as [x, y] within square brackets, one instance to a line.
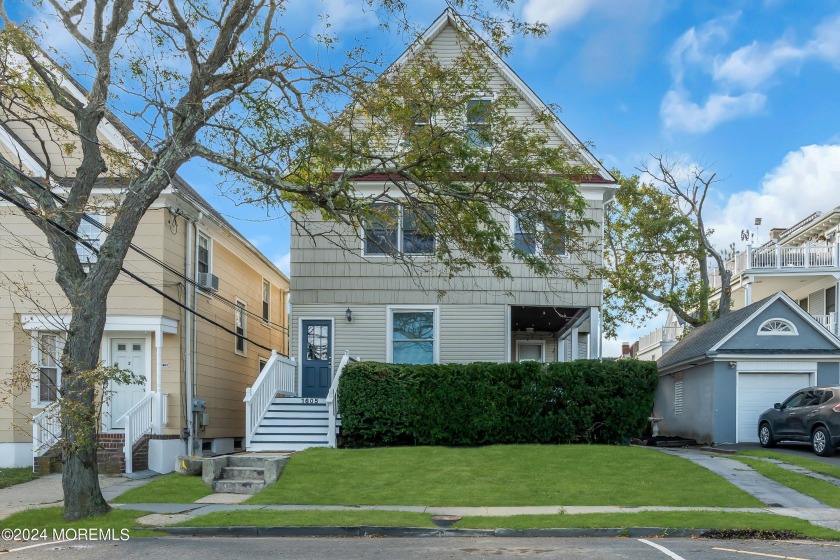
[759, 391]
[128, 354]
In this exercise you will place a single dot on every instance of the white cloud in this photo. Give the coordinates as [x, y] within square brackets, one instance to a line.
[343, 15]
[804, 182]
[755, 64]
[557, 14]
[693, 47]
[284, 263]
[680, 113]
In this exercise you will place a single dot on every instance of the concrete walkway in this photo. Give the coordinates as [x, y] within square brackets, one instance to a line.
[46, 491]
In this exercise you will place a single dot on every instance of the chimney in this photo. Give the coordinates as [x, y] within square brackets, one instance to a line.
[776, 233]
[625, 349]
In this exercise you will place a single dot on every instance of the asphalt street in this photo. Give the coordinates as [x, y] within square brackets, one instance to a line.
[188, 548]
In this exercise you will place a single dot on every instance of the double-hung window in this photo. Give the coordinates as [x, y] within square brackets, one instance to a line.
[478, 123]
[240, 323]
[203, 253]
[89, 234]
[551, 239]
[413, 336]
[266, 300]
[49, 372]
[396, 229]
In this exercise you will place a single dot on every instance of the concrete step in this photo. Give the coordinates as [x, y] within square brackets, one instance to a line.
[251, 461]
[238, 486]
[242, 473]
[282, 446]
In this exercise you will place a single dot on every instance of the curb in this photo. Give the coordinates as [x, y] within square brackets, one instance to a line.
[416, 532]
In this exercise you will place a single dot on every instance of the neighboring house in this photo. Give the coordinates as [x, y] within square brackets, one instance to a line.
[363, 303]
[653, 345]
[183, 359]
[720, 377]
[803, 260]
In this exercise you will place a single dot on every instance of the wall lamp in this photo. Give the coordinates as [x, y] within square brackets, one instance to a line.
[349, 315]
[733, 364]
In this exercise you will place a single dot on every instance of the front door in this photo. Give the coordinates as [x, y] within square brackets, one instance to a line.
[127, 354]
[317, 358]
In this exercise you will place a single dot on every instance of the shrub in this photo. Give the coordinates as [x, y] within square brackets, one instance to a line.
[483, 403]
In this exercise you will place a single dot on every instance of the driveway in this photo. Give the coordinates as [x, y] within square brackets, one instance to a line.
[795, 449]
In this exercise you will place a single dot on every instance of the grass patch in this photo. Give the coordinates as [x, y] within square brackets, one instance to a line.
[51, 519]
[665, 519]
[499, 475]
[804, 462]
[10, 477]
[821, 490]
[310, 518]
[173, 488]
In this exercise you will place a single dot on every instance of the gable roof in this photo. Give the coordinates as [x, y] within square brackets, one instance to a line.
[703, 341]
[450, 17]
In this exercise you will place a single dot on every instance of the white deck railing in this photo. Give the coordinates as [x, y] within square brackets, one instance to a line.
[332, 399]
[137, 422]
[46, 429]
[829, 321]
[780, 257]
[278, 376]
[662, 334]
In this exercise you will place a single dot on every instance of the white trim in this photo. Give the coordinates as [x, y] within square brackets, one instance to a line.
[540, 343]
[538, 249]
[389, 325]
[265, 320]
[105, 353]
[35, 357]
[131, 323]
[399, 248]
[508, 333]
[236, 307]
[199, 234]
[16, 147]
[788, 324]
[300, 347]
[777, 366]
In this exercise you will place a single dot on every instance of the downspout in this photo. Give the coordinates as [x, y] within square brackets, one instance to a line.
[194, 247]
[190, 297]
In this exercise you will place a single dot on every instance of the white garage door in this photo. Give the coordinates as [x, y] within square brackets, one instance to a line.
[758, 391]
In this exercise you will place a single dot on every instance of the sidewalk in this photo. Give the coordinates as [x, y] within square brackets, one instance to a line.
[46, 491]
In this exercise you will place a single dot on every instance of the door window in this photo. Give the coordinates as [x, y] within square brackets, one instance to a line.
[316, 342]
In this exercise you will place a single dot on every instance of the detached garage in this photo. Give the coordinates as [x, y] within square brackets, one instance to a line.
[716, 381]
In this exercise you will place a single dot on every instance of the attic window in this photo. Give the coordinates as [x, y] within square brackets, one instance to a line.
[777, 327]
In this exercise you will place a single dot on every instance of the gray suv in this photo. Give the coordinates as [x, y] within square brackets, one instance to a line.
[811, 414]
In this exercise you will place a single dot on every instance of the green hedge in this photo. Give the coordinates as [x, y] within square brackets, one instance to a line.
[484, 403]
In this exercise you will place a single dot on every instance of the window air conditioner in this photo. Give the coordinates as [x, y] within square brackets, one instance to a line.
[208, 281]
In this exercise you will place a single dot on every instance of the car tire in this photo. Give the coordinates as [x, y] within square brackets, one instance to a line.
[821, 442]
[765, 435]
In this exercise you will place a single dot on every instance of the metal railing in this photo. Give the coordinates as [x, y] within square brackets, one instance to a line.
[278, 376]
[137, 422]
[332, 399]
[46, 429]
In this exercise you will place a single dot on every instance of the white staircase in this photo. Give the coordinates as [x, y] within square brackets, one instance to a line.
[292, 424]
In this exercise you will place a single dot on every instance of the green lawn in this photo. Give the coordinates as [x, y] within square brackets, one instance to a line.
[499, 475]
[821, 490]
[51, 518]
[9, 477]
[665, 520]
[172, 488]
[810, 464]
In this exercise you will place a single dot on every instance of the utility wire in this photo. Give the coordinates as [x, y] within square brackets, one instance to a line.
[139, 250]
[90, 246]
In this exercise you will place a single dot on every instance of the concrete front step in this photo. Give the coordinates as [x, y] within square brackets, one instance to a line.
[238, 486]
[282, 446]
[242, 473]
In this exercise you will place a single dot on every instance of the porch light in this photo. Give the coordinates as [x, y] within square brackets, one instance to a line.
[349, 315]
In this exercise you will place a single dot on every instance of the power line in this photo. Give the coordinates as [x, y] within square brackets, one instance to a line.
[141, 251]
[75, 236]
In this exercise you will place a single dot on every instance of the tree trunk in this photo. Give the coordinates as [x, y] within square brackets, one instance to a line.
[79, 414]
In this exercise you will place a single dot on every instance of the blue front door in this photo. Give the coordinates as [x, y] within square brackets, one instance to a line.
[317, 358]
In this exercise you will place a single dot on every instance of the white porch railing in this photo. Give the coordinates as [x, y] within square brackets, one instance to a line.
[138, 421]
[829, 321]
[278, 376]
[780, 257]
[332, 399]
[46, 429]
[662, 334]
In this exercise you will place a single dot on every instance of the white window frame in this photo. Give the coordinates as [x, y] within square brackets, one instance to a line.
[199, 235]
[266, 316]
[389, 329]
[540, 343]
[791, 326]
[236, 310]
[36, 360]
[538, 250]
[399, 247]
[261, 362]
[489, 124]
[96, 240]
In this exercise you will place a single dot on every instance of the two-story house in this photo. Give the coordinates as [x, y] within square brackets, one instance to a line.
[802, 260]
[219, 314]
[362, 302]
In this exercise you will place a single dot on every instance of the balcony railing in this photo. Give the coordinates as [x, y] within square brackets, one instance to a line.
[780, 257]
[829, 321]
[662, 334]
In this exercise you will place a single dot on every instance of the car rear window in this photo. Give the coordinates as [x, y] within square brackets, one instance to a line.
[827, 396]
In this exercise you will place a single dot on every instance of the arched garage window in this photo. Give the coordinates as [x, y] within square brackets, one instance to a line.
[777, 327]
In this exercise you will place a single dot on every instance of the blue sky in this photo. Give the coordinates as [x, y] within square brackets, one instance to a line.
[749, 88]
